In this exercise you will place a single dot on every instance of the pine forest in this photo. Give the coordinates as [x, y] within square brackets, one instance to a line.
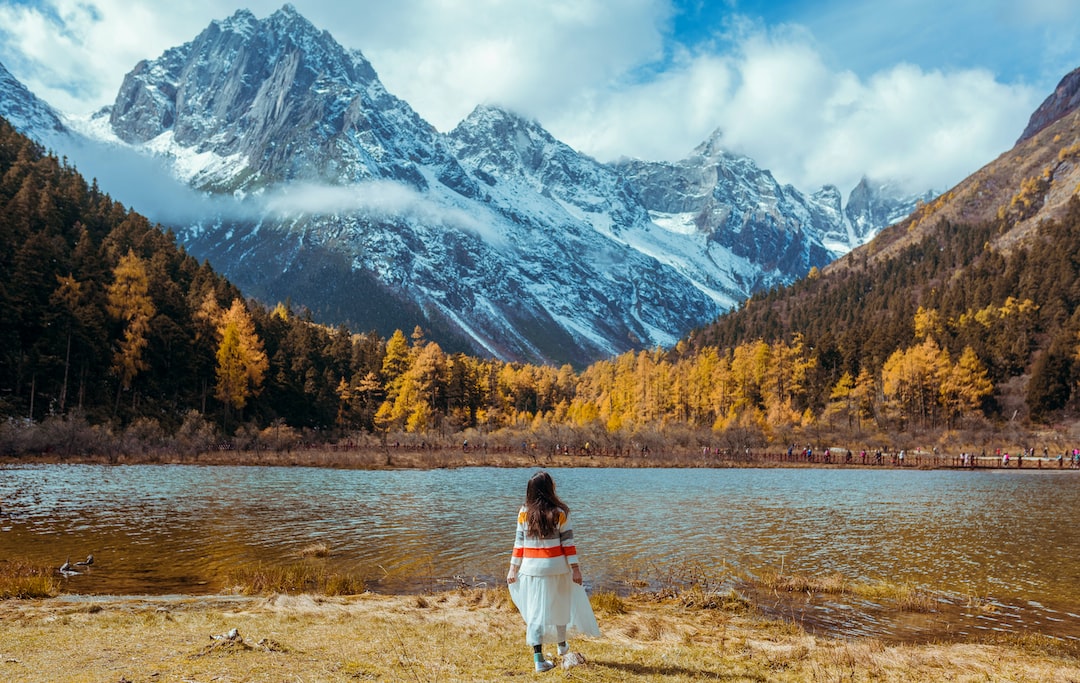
[110, 332]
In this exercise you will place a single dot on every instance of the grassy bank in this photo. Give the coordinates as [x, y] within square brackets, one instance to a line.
[464, 635]
[405, 457]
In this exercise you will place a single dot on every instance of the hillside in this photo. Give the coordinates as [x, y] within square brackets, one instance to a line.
[1026, 185]
[102, 316]
[992, 265]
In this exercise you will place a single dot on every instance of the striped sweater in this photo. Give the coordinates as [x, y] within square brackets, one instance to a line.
[541, 556]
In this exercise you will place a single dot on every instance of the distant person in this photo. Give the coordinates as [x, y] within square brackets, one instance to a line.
[544, 576]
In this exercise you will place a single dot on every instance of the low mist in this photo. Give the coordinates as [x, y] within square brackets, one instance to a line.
[146, 184]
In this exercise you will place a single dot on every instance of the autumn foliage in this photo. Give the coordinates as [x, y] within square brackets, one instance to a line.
[97, 304]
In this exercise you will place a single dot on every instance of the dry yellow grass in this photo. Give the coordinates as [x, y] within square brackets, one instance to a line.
[469, 635]
[905, 597]
[299, 577]
[22, 579]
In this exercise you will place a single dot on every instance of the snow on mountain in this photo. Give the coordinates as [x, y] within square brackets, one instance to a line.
[352, 205]
[29, 115]
[872, 206]
[496, 238]
[744, 224]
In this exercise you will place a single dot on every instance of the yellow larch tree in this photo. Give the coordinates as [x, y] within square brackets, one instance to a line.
[241, 360]
[911, 379]
[965, 385]
[129, 302]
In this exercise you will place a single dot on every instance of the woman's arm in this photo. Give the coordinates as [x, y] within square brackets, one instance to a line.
[519, 548]
[566, 538]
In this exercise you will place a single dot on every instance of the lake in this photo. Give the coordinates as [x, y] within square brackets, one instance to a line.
[1000, 547]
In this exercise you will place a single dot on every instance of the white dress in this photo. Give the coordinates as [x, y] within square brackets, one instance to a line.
[550, 601]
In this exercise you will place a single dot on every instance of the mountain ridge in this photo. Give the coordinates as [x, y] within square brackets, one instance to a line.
[549, 257]
[25, 111]
[1064, 99]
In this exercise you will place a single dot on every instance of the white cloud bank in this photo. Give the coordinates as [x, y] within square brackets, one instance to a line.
[608, 78]
[777, 102]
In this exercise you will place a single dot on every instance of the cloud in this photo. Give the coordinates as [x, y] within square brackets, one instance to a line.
[442, 56]
[526, 55]
[378, 199]
[775, 100]
[146, 184]
[74, 53]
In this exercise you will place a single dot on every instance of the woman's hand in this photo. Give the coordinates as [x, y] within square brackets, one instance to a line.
[576, 572]
[511, 576]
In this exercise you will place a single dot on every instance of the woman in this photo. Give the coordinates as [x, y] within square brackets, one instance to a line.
[545, 577]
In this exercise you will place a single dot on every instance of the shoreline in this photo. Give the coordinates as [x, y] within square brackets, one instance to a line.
[447, 458]
[469, 635]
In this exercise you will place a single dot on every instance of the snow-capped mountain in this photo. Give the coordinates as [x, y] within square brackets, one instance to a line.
[516, 158]
[250, 103]
[872, 206]
[29, 115]
[496, 238]
[735, 209]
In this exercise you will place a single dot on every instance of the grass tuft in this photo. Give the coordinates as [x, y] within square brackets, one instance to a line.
[1036, 645]
[302, 577]
[832, 584]
[981, 604]
[22, 579]
[608, 603]
[905, 597]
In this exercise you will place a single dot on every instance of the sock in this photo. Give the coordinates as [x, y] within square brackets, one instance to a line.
[538, 657]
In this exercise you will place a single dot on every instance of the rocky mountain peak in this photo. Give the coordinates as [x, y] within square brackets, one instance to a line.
[874, 204]
[242, 20]
[712, 147]
[263, 101]
[829, 196]
[488, 124]
[502, 143]
[25, 111]
[1064, 99]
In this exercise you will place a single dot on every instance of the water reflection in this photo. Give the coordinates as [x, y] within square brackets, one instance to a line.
[997, 539]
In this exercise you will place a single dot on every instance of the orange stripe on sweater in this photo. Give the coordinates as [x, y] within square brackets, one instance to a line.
[555, 551]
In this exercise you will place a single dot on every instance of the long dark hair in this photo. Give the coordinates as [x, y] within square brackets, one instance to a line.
[542, 506]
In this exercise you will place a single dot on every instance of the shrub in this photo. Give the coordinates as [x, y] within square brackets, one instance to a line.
[195, 434]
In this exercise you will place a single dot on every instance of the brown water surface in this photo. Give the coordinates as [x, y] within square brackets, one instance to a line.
[997, 548]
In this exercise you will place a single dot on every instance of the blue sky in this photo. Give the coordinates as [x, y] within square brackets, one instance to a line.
[920, 92]
[1033, 41]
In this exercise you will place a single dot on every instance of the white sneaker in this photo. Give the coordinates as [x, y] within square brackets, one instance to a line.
[544, 665]
[563, 650]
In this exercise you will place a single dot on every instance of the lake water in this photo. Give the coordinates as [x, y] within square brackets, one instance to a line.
[1007, 538]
